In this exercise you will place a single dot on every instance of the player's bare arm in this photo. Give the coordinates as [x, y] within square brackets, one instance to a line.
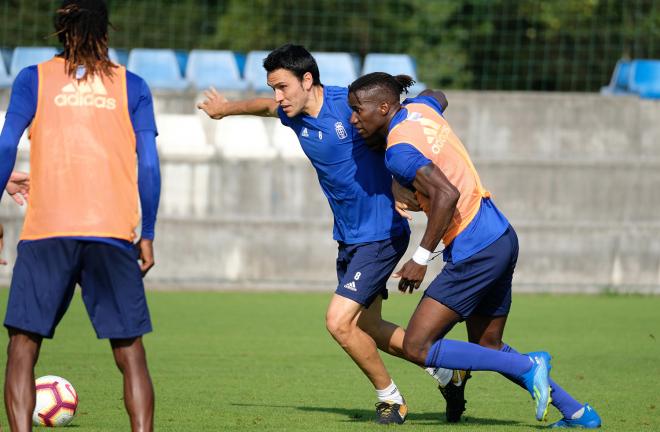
[404, 200]
[18, 187]
[438, 95]
[443, 196]
[217, 106]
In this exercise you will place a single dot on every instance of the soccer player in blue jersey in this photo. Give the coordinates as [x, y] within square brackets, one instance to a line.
[92, 123]
[481, 247]
[372, 236]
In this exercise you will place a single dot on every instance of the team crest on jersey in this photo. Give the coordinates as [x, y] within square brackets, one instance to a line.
[305, 133]
[341, 131]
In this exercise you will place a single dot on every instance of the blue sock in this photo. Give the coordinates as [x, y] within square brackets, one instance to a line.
[451, 354]
[561, 400]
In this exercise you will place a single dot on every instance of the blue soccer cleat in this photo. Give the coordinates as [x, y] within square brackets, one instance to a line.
[589, 420]
[537, 382]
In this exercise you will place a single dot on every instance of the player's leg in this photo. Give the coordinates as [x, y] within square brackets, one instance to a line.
[22, 355]
[341, 321]
[388, 336]
[362, 271]
[131, 359]
[44, 269]
[114, 296]
[487, 331]
[456, 294]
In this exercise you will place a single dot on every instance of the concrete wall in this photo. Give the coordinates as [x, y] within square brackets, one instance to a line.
[577, 174]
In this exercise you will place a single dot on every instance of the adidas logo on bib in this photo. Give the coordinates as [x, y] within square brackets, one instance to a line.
[85, 94]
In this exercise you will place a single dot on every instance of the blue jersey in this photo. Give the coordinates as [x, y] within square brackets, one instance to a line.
[404, 159]
[353, 177]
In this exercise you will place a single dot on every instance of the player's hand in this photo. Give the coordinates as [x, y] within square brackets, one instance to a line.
[146, 248]
[18, 187]
[2, 233]
[411, 275]
[404, 200]
[214, 105]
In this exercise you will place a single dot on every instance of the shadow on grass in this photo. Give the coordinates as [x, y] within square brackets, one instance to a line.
[427, 418]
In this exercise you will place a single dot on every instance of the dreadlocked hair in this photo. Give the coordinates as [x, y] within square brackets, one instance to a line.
[82, 28]
[395, 85]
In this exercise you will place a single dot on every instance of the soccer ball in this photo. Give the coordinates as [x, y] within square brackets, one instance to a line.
[57, 401]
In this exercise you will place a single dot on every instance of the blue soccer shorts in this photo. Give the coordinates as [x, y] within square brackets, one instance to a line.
[363, 268]
[480, 284]
[47, 271]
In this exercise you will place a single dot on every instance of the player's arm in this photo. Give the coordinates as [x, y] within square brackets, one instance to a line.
[404, 200]
[217, 106]
[437, 95]
[443, 196]
[21, 110]
[144, 125]
[149, 190]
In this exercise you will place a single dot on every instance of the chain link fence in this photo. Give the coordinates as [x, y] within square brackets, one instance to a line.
[554, 45]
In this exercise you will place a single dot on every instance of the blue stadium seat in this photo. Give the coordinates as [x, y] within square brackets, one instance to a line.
[393, 64]
[27, 56]
[645, 78]
[119, 56]
[5, 57]
[255, 75]
[336, 68]
[214, 68]
[182, 60]
[620, 81]
[158, 67]
[5, 79]
[240, 62]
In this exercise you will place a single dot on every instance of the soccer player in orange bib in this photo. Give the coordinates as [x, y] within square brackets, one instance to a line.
[481, 248]
[92, 124]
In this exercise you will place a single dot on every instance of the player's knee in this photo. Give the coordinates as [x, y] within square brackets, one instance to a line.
[129, 354]
[339, 326]
[415, 350]
[23, 348]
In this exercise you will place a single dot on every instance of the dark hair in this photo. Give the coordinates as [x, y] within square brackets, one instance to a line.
[394, 85]
[294, 58]
[82, 28]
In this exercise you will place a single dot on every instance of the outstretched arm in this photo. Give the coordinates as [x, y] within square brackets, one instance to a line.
[443, 196]
[217, 106]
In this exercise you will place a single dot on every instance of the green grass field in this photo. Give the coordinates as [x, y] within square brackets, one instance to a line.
[264, 362]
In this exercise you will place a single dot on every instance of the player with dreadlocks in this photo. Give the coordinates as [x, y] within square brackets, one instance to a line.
[92, 123]
[481, 248]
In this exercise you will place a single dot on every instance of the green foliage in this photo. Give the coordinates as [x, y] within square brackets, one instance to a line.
[568, 45]
[264, 362]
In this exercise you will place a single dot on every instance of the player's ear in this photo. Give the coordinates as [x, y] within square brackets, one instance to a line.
[384, 108]
[307, 81]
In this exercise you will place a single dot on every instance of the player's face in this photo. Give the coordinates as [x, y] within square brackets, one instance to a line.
[368, 117]
[290, 92]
